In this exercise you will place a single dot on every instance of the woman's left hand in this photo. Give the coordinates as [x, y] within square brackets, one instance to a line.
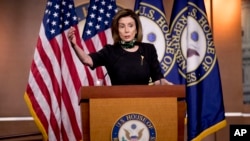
[163, 82]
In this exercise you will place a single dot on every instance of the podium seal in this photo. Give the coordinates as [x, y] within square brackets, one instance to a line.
[133, 127]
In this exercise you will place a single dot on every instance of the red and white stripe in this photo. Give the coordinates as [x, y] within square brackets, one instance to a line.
[55, 77]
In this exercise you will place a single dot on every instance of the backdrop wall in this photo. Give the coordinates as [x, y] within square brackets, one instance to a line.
[19, 28]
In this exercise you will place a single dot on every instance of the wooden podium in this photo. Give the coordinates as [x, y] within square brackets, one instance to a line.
[102, 106]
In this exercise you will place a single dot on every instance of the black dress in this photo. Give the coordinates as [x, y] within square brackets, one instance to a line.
[129, 68]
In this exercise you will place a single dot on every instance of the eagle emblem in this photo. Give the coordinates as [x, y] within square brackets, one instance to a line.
[133, 127]
[133, 135]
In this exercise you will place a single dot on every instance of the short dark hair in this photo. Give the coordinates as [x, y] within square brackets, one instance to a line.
[124, 13]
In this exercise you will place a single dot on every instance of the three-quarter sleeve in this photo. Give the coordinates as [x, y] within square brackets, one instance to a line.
[101, 57]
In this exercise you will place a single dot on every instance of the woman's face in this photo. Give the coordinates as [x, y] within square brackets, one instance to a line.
[127, 28]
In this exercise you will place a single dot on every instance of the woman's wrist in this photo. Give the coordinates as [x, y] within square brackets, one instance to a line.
[72, 44]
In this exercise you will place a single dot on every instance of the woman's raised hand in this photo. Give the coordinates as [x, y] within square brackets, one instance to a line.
[71, 35]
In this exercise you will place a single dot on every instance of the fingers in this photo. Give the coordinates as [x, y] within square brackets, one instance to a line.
[157, 82]
[169, 83]
[165, 82]
[71, 33]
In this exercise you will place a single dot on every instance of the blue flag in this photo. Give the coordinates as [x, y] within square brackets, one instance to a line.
[197, 64]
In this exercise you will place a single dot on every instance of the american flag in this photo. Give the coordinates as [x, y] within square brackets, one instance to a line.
[54, 78]
[97, 34]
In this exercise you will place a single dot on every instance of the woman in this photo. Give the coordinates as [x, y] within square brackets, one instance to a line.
[128, 61]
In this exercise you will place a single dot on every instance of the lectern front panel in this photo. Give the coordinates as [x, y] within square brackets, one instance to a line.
[162, 112]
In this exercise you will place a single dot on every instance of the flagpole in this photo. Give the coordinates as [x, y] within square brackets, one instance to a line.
[211, 13]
